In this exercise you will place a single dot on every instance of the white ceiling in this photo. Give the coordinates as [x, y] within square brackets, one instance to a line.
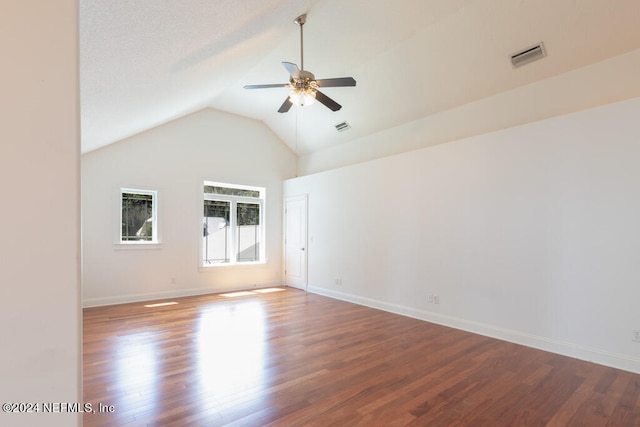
[146, 62]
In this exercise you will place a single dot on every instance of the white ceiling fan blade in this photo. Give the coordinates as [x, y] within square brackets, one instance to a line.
[292, 68]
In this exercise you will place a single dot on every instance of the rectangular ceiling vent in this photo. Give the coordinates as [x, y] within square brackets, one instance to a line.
[528, 55]
[341, 127]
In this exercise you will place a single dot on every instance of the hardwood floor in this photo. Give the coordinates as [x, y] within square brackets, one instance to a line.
[290, 358]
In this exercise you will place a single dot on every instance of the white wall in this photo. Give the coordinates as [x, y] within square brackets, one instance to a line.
[529, 234]
[174, 159]
[40, 216]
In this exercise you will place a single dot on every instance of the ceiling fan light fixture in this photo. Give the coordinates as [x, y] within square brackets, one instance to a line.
[302, 97]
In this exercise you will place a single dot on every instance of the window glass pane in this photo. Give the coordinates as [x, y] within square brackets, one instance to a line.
[216, 233]
[233, 231]
[137, 217]
[212, 189]
[248, 232]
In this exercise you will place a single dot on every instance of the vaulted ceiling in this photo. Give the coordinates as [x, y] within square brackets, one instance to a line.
[147, 62]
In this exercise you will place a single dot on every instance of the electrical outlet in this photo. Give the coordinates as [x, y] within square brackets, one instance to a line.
[436, 299]
[636, 336]
[430, 298]
[339, 281]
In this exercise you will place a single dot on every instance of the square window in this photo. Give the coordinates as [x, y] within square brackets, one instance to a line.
[138, 216]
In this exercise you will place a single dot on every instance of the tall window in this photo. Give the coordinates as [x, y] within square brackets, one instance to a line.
[232, 224]
[138, 216]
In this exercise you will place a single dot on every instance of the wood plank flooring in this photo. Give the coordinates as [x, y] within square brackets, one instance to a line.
[290, 358]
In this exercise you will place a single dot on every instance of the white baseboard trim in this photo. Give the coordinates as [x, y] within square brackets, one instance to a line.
[176, 293]
[614, 360]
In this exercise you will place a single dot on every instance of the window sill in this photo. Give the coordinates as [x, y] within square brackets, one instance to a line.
[137, 246]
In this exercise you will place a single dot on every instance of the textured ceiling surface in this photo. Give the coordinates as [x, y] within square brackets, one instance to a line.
[146, 62]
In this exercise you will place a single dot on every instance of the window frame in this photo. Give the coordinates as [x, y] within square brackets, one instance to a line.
[155, 227]
[233, 220]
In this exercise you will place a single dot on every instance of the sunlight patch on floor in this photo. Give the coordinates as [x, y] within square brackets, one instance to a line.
[161, 304]
[269, 290]
[246, 293]
[237, 294]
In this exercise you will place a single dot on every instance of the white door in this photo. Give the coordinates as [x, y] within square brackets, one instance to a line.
[295, 241]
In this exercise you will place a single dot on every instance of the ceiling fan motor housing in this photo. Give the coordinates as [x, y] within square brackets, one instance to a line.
[304, 80]
[306, 75]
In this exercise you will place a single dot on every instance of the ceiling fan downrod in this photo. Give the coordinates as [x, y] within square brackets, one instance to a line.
[301, 20]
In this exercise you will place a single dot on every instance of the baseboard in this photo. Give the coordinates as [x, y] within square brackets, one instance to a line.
[176, 293]
[614, 360]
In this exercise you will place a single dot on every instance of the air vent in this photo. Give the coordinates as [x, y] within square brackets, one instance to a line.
[341, 127]
[527, 55]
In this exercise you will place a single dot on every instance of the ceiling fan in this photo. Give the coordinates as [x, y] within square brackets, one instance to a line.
[304, 86]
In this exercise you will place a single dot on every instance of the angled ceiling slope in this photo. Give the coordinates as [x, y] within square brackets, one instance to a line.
[144, 63]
